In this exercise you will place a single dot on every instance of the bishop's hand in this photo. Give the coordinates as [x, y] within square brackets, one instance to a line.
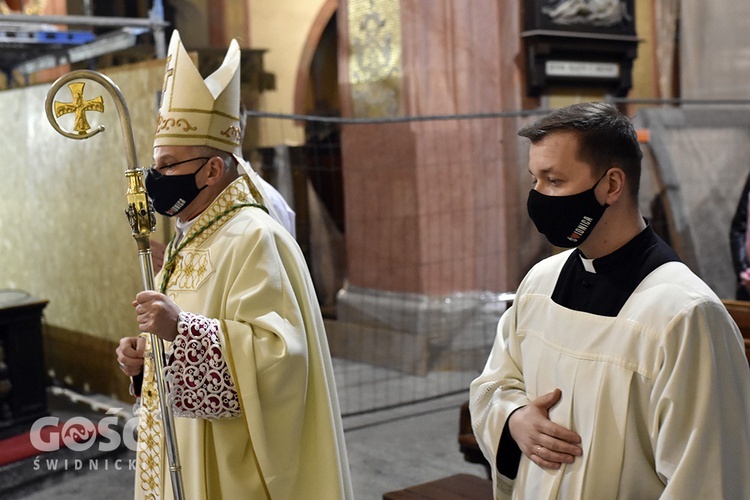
[157, 314]
[130, 355]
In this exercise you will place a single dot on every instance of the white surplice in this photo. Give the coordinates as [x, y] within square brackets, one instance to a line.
[660, 394]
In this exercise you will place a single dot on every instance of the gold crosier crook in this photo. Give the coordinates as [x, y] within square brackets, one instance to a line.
[140, 215]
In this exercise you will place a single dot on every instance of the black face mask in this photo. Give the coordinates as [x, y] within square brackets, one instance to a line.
[170, 194]
[566, 221]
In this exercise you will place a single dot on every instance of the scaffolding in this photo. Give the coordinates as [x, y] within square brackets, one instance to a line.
[31, 43]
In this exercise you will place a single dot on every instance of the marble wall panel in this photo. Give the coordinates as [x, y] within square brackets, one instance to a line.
[380, 192]
[65, 237]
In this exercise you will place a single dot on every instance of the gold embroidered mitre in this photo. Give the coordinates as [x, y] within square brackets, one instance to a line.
[198, 112]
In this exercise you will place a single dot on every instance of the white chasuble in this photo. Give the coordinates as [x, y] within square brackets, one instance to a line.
[660, 393]
[250, 372]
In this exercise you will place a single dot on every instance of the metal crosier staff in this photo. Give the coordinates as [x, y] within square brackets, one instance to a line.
[139, 211]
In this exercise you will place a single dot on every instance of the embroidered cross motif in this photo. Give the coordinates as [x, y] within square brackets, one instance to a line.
[189, 269]
[194, 268]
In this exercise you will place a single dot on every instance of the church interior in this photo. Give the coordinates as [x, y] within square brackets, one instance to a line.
[390, 127]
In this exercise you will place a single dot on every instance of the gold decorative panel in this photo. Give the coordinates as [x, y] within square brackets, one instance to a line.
[375, 57]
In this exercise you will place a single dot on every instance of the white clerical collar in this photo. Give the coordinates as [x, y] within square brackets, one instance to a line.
[182, 229]
[588, 264]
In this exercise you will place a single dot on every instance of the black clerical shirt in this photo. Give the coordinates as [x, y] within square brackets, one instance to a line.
[602, 286]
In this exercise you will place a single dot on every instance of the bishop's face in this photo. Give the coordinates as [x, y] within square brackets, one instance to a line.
[176, 180]
[177, 160]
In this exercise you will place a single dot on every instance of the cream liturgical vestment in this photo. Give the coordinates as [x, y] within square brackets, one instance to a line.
[251, 380]
[659, 392]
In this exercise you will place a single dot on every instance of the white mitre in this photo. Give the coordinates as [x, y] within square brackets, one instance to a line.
[197, 112]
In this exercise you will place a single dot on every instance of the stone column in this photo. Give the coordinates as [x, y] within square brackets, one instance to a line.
[430, 205]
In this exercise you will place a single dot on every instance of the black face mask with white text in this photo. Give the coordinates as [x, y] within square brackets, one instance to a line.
[170, 194]
[566, 221]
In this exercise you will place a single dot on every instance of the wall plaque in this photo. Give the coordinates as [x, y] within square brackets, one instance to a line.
[577, 69]
[579, 43]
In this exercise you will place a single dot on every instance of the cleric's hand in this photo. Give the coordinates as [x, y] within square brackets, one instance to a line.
[546, 443]
[157, 314]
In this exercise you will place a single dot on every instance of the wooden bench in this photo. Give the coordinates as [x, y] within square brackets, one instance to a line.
[457, 487]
